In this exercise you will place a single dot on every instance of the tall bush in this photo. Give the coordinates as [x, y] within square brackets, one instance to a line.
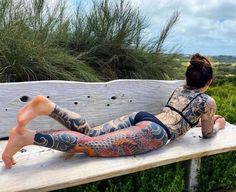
[26, 49]
[110, 38]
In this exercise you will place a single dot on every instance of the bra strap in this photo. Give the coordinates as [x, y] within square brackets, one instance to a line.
[171, 96]
[191, 101]
[180, 113]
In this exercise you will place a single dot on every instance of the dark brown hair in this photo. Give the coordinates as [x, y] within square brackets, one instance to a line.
[199, 72]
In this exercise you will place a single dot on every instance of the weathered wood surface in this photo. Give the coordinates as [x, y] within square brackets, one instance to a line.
[42, 169]
[97, 102]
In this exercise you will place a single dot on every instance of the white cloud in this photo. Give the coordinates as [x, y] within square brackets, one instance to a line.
[206, 26]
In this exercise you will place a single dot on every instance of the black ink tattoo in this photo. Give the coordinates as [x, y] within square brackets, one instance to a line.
[114, 125]
[141, 138]
[208, 129]
[196, 106]
[61, 141]
[70, 120]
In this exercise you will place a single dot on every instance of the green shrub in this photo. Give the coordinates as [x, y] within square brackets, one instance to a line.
[110, 38]
[225, 97]
[104, 43]
[218, 172]
[27, 51]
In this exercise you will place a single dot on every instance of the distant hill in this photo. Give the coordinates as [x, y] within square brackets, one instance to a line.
[220, 58]
[225, 58]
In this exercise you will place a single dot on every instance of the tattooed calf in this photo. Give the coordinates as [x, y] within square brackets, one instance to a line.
[61, 142]
[70, 119]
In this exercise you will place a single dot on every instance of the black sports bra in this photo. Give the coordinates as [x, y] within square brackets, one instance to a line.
[181, 112]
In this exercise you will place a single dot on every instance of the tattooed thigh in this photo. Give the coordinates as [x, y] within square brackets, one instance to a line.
[144, 137]
[157, 132]
[113, 125]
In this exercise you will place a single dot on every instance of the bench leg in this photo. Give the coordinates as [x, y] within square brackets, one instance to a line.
[193, 167]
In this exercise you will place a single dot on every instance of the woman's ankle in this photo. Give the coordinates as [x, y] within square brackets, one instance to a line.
[27, 137]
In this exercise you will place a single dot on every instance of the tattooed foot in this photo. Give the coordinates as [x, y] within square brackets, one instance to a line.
[40, 105]
[17, 140]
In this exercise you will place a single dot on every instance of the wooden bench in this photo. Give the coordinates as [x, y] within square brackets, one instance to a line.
[42, 169]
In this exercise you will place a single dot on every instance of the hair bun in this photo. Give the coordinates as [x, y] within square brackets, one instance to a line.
[198, 64]
[197, 61]
[199, 72]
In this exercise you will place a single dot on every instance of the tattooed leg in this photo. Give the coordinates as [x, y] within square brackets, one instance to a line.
[146, 136]
[59, 140]
[70, 120]
[113, 125]
[74, 122]
[40, 105]
[143, 137]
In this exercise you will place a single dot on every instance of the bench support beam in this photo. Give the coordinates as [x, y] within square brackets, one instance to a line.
[193, 168]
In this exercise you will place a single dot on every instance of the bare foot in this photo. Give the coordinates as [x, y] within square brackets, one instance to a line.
[39, 105]
[17, 140]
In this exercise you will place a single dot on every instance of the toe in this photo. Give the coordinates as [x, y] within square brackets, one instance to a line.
[13, 161]
[7, 161]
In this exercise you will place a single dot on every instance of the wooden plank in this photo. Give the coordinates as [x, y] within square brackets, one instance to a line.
[111, 99]
[41, 169]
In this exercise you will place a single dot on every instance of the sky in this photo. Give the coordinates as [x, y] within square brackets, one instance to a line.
[204, 26]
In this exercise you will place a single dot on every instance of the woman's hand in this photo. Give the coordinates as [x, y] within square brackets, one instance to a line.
[215, 117]
[219, 121]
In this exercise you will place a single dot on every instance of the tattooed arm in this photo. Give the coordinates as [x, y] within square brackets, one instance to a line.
[215, 117]
[211, 125]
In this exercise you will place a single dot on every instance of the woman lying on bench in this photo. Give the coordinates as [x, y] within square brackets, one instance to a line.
[132, 134]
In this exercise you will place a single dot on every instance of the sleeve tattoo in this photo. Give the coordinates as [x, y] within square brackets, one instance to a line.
[208, 129]
[71, 120]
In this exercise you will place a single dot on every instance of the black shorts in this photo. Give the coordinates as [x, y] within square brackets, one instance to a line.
[145, 116]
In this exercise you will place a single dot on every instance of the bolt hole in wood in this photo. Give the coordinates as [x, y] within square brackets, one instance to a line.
[24, 98]
[130, 101]
[108, 105]
[48, 97]
[23, 150]
[113, 97]
[76, 103]
[88, 96]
